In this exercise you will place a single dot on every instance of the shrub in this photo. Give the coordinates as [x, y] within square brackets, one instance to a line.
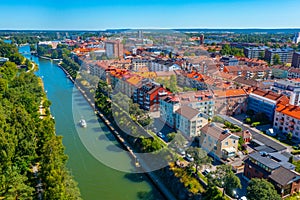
[254, 124]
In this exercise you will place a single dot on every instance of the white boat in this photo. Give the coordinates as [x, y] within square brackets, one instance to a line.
[83, 123]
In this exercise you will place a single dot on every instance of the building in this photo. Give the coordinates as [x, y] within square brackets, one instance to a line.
[286, 182]
[148, 95]
[201, 39]
[114, 49]
[191, 79]
[229, 61]
[162, 65]
[296, 38]
[140, 34]
[296, 60]
[201, 101]
[139, 63]
[231, 101]
[287, 119]
[288, 88]
[255, 52]
[262, 101]
[189, 121]
[293, 72]
[285, 55]
[217, 142]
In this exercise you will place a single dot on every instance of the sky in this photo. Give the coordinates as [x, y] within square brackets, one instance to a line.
[113, 14]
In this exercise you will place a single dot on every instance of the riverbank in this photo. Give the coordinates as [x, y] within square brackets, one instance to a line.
[150, 175]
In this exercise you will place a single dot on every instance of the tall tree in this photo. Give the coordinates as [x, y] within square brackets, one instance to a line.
[261, 189]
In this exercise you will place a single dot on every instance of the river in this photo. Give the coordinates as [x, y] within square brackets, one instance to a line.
[88, 148]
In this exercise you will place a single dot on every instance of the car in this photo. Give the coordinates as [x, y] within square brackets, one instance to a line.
[243, 198]
[159, 134]
[181, 151]
[189, 158]
[206, 172]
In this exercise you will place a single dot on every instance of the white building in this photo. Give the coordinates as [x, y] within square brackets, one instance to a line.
[189, 121]
[287, 119]
[296, 38]
[288, 88]
[161, 65]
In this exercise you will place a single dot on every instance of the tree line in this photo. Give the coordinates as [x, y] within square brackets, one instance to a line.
[28, 141]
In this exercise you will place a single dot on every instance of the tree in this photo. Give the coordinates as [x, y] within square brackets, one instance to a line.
[261, 189]
[276, 60]
[213, 193]
[224, 177]
[248, 120]
[289, 136]
[171, 136]
[200, 157]
[261, 55]
[54, 54]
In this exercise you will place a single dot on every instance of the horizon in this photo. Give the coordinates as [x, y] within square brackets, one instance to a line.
[154, 14]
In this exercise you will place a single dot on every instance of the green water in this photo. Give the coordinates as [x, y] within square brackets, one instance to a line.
[88, 148]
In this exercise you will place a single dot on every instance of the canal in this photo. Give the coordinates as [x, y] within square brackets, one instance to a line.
[95, 157]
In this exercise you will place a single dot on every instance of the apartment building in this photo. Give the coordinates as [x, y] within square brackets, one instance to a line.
[287, 119]
[114, 49]
[148, 95]
[189, 121]
[296, 60]
[162, 65]
[255, 52]
[288, 88]
[285, 55]
[263, 101]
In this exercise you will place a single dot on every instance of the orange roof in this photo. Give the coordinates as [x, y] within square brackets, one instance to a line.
[134, 80]
[290, 110]
[229, 92]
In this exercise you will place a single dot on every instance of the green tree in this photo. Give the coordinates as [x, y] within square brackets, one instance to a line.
[289, 136]
[276, 60]
[261, 189]
[54, 54]
[200, 157]
[224, 177]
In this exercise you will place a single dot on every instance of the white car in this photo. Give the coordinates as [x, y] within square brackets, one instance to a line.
[206, 171]
[159, 134]
[189, 158]
[181, 152]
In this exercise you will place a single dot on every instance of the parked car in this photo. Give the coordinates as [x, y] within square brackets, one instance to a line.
[159, 134]
[181, 151]
[189, 158]
[206, 172]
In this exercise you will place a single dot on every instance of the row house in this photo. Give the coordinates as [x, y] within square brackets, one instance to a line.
[148, 95]
[276, 168]
[263, 101]
[217, 142]
[230, 101]
[287, 119]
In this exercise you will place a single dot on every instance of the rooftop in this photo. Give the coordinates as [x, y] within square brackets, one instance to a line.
[288, 109]
[188, 112]
[284, 176]
[216, 132]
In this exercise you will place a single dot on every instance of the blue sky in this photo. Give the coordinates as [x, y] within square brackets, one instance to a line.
[99, 14]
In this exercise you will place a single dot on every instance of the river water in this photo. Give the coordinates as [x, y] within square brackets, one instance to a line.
[88, 148]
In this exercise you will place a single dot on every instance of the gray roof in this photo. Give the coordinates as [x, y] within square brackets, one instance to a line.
[272, 160]
[188, 112]
[264, 160]
[284, 176]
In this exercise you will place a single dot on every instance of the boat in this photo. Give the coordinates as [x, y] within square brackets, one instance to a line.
[83, 123]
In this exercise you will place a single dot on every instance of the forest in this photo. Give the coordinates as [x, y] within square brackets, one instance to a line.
[32, 158]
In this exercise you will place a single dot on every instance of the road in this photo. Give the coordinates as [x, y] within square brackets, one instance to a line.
[257, 135]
